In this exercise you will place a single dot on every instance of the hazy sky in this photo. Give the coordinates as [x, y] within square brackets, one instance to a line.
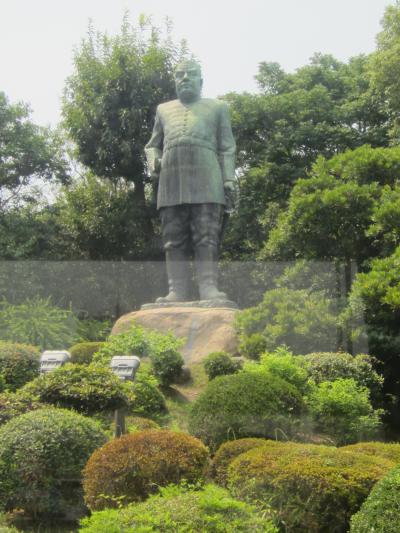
[37, 38]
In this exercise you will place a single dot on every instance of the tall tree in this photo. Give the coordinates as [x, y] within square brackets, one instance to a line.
[385, 66]
[330, 214]
[110, 101]
[29, 154]
[324, 108]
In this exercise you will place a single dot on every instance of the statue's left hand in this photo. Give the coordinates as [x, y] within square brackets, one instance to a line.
[230, 196]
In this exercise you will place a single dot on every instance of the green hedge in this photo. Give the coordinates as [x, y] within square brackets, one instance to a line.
[82, 352]
[19, 363]
[380, 513]
[228, 451]
[247, 404]
[87, 389]
[220, 364]
[42, 454]
[312, 488]
[133, 466]
[386, 450]
[179, 510]
[13, 404]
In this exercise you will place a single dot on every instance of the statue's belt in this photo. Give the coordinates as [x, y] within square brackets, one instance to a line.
[192, 142]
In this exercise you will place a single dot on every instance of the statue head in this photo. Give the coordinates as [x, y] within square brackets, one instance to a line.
[188, 81]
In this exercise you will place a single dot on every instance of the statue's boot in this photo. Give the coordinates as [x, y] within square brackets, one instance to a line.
[206, 260]
[178, 277]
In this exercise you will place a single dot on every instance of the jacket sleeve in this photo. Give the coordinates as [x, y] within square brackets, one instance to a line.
[226, 145]
[154, 148]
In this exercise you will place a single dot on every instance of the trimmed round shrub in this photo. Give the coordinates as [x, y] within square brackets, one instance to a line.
[246, 404]
[311, 488]
[179, 510]
[131, 467]
[148, 399]
[13, 404]
[138, 423]
[220, 364]
[330, 366]
[228, 451]
[19, 363]
[342, 410]
[381, 510]
[87, 389]
[82, 352]
[42, 454]
[387, 450]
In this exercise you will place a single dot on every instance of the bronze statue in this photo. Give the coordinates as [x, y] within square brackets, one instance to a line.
[191, 155]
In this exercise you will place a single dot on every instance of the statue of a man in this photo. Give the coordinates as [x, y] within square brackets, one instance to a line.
[191, 155]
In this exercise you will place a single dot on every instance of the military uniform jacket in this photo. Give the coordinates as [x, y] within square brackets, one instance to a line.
[197, 152]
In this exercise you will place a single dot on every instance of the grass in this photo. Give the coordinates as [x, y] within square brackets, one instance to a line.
[180, 397]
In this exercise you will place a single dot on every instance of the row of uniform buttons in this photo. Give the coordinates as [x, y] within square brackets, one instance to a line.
[185, 121]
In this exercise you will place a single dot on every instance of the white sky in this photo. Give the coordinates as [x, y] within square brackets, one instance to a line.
[230, 38]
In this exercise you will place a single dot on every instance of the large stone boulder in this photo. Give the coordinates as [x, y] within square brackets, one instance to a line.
[205, 329]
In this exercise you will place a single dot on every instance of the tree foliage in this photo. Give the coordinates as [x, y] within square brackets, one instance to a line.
[27, 153]
[110, 99]
[323, 109]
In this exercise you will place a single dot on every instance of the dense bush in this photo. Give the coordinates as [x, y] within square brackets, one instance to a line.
[312, 488]
[342, 410]
[148, 399]
[38, 322]
[42, 454]
[167, 364]
[387, 450]
[302, 320]
[284, 364]
[328, 366]
[13, 404]
[132, 467]
[381, 510]
[138, 423]
[179, 510]
[162, 350]
[228, 451]
[220, 364]
[82, 352]
[19, 363]
[87, 389]
[92, 330]
[247, 404]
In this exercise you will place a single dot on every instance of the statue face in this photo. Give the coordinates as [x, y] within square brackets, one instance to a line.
[188, 82]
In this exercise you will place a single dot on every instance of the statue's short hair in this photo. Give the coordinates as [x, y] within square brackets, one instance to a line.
[188, 62]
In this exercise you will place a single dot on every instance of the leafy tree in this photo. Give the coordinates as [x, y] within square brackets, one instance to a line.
[110, 101]
[385, 228]
[330, 213]
[385, 66]
[342, 410]
[324, 108]
[101, 220]
[303, 320]
[27, 153]
[39, 323]
[376, 294]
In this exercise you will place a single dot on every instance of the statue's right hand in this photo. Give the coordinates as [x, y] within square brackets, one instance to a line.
[157, 166]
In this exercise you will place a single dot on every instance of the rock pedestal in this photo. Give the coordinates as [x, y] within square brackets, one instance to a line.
[205, 329]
